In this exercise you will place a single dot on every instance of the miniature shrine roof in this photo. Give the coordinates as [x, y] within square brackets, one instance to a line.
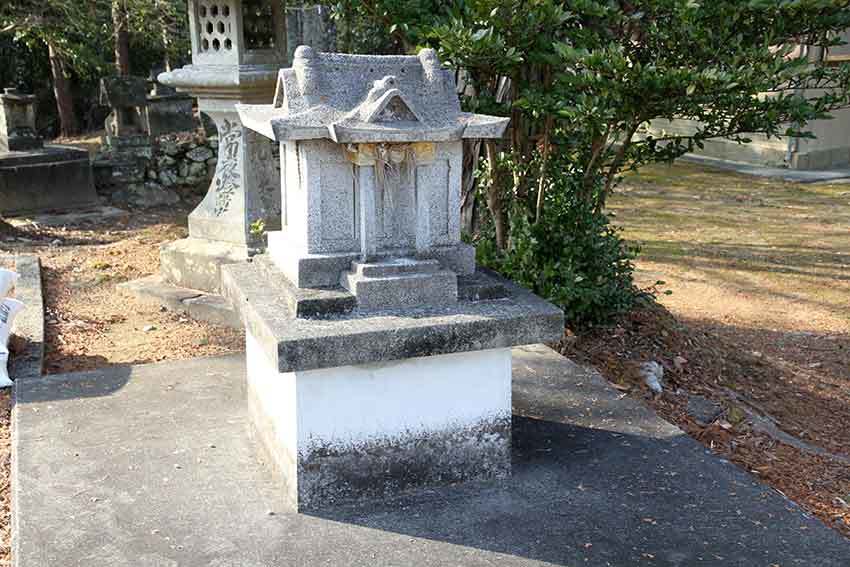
[367, 98]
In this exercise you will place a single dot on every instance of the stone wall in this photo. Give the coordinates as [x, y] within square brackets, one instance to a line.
[180, 168]
[165, 171]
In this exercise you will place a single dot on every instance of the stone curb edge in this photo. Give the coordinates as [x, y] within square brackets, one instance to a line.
[29, 324]
[27, 365]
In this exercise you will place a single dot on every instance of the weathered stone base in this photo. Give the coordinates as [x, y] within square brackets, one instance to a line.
[314, 329]
[208, 307]
[196, 264]
[323, 270]
[55, 178]
[130, 145]
[369, 431]
[400, 282]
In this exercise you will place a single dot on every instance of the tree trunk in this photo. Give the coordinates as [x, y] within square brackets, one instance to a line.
[122, 37]
[549, 124]
[541, 185]
[471, 151]
[495, 197]
[165, 18]
[62, 92]
[166, 58]
[614, 170]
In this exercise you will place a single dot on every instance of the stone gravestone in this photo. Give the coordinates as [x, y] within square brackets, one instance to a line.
[17, 122]
[127, 146]
[35, 177]
[378, 356]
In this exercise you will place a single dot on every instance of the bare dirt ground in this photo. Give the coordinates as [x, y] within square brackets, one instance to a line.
[758, 321]
[89, 322]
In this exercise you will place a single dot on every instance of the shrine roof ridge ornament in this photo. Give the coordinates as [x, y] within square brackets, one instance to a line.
[368, 98]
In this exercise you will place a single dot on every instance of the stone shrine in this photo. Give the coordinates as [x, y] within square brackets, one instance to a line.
[237, 48]
[35, 177]
[378, 356]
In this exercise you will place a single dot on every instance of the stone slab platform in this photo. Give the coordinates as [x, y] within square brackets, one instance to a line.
[152, 466]
[76, 217]
[198, 304]
[49, 179]
[355, 338]
[785, 174]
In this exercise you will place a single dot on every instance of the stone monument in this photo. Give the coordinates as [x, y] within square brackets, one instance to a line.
[35, 177]
[17, 122]
[127, 131]
[237, 48]
[378, 357]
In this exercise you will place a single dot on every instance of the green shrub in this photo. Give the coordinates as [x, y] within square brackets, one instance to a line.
[572, 255]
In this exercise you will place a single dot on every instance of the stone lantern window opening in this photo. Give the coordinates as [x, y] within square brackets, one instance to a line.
[229, 31]
[215, 27]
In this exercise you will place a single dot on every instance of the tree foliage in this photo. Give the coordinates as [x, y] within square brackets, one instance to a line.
[74, 42]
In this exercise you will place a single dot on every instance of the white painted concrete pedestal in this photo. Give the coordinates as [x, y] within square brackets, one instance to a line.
[366, 431]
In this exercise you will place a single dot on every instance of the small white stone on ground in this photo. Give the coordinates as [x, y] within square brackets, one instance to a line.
[653, 375]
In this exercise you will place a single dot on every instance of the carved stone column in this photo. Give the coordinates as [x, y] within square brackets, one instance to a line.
[244, 190]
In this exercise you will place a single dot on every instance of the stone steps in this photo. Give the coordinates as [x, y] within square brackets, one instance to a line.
[397, 283]
[394, 267]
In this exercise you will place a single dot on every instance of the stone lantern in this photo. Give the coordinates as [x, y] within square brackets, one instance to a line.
[238, 46]
[378, 356]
